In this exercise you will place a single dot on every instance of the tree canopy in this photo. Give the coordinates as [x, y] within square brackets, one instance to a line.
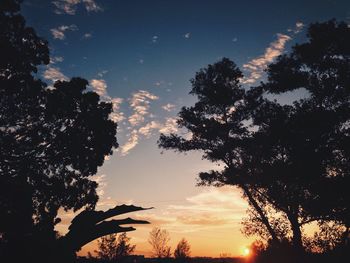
[52, 139]
[290, 160]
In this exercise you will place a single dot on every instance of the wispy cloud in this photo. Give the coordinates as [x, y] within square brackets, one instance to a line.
[117, 115]
[256, 66]
[87, 36]
[102, 73]
[99, 86]
[155, 39]
[54, 74]
[130, 144]
[59, 32]
[187, 35]
[102, 183]
[56, 59]
[139, 102]
[168, 107]
[298, 27]
[70, 6]
[170, 126]
[212, 208]
[149, 127]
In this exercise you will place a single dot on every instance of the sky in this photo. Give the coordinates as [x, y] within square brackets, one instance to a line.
[140, 56]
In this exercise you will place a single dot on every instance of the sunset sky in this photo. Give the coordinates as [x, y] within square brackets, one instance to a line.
[140, 55]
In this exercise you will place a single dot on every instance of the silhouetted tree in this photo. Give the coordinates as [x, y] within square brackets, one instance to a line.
[114, 248]
[159, 240]
[321, 66]
[107, 246]
[124, 248]
[182, 251]
[218, 126]
[52, 140]
[290, 159]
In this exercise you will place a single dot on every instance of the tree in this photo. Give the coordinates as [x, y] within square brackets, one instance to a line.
[52, 140]
[290, 160]
[183, 250]
[112, 248]
[107, 247]
[218, 126]
[304, 147]
[159, 240]
[124, 248]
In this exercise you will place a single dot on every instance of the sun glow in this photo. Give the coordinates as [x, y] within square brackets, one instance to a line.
[246, 252]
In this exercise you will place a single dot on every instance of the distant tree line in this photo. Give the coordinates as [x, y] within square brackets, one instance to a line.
[291, 161]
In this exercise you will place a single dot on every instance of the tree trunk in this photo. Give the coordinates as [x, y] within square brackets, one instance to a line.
[261, 213]
[297, 236]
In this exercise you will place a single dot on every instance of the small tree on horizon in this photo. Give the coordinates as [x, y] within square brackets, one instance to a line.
[114, 247]
[159, 240]
[183, 250]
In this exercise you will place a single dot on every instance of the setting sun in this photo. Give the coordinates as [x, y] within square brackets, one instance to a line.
[246, 252]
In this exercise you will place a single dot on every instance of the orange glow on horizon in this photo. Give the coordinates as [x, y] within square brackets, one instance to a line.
[246, 252]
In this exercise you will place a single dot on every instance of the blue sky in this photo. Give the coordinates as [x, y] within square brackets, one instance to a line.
[141, 55]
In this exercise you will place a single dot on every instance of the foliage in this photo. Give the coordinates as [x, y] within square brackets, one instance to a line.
[52, 140]
[183, 250]
[291, 161]
[159, 240]
[107, 247]
[112, 248]
[124, 248]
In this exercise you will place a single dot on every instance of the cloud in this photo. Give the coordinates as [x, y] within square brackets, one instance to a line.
[54, 74]
[235, 39]
[91, 6]
[170, 126]
[130, 144]
[57, 59]
[141, 61]
[59, 33]
[139, 102]
[69, 7]
[102, 183]
[210, 209]
[155, 39]
[256, 66]
[169, 107]
[187, 35]
[102, 73]
[117, 115]
[149, 127]
[298, 27]
[99, 86]
[87, 36]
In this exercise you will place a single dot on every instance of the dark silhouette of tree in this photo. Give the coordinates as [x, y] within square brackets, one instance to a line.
[159, 240]
[115, 248]
[107, 246]
[290, 160]
[303, 148]
[124, 248]
[218, 126]
[52, 140]
[182, 251]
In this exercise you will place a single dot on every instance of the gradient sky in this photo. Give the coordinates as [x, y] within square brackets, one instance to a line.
[140, 55]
